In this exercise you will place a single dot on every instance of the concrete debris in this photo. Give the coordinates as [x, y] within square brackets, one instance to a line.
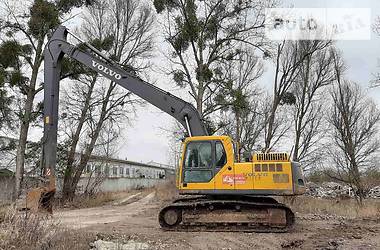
[328, 190]
[336, 190]
[292, 244]
[320, 217]
[110, 245]
[374, 192]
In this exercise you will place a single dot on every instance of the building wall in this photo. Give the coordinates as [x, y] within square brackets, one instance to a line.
[122, 184]
[119, 170]
[7, 186]
[113, 184]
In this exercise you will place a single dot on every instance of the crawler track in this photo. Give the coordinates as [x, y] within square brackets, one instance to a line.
[242, 214]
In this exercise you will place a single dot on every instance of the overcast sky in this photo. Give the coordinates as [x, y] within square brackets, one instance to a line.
[146, 140]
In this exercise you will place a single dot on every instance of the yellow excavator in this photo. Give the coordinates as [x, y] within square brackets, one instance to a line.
[231, 196]
[218, 193]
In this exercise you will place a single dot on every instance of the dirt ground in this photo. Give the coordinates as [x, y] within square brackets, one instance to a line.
[136, 220]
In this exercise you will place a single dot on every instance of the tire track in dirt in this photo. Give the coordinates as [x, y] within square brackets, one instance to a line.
[81, 218]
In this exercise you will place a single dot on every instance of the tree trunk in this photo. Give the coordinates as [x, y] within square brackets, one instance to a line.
[21, 148]
[271, 119]
[298, 136]
[199, 102]
[69, 171]
[86, 156]
[302, 108]
[296, 146]
[238, 148]
[25, 122]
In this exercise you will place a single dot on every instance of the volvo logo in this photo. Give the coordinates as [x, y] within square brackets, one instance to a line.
[106, 70]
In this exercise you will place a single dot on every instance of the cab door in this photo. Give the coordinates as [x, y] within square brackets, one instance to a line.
[198, 167]
[224, 167]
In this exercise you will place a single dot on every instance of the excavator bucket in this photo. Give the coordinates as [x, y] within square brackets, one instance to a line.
[40, 200]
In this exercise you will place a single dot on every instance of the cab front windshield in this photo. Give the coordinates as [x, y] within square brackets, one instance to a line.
[198, 162]
[202, 159]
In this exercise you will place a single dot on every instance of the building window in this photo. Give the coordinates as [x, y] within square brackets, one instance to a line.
[121, 171]
[114, 171]
[127, 171]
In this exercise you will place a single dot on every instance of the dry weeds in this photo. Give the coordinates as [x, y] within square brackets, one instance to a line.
[38, 231]
[3, 212]
[346, 207]
[167, 191]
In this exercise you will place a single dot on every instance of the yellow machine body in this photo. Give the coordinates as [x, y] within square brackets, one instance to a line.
[208, 167]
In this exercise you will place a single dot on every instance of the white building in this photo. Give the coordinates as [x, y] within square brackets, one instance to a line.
[117, 168]
[108, 167]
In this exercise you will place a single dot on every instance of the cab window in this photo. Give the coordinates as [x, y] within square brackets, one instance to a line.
[220, 155]
[198, 155]
[198, 162]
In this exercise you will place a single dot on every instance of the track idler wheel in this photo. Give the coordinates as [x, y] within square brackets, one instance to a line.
[170, 217]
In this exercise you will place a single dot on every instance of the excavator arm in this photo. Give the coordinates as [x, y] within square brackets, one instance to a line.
[184, 112]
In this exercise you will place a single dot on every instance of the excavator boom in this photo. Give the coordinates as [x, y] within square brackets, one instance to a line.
[184, 112]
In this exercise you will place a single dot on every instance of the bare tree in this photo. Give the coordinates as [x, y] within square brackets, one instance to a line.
[316, 72]
[29, 87]
[28, 25]
[238, 94]
[124, 30]
[375, 82]
[253, 124]
[202, 34]
[354, 121]
[289, 57]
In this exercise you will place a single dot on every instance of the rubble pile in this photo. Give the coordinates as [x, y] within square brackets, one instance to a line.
[328, 190]
[374, 193]
[110, 245]
[333, 190]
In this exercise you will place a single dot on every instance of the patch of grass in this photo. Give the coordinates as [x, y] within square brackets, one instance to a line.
[346, 207]
[38, 231]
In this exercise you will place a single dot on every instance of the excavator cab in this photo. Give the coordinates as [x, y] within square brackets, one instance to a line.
[208, 167]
